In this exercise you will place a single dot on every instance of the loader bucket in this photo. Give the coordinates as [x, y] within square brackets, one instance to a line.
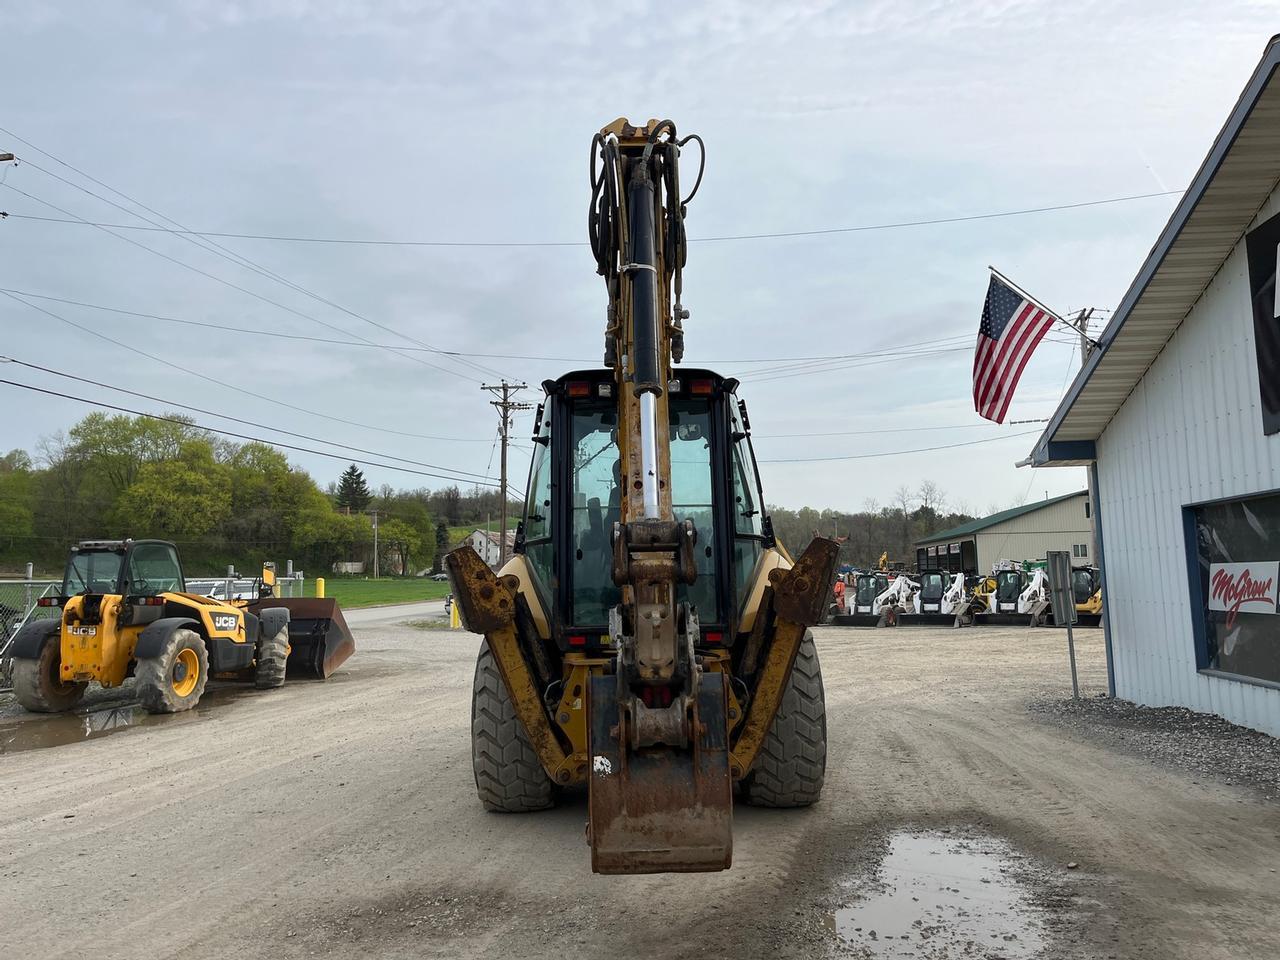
[319, 637]
[660, 809]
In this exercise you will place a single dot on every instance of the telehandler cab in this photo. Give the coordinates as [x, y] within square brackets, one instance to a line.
[650, 636]
[124, 611]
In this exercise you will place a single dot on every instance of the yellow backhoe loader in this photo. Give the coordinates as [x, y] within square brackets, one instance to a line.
[649, 638]
[124, 611]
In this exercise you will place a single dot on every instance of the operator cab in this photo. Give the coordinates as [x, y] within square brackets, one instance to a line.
[869, 586]
[932, 586]
[1009, 585]
[574, 499]
[135, 568]
[1084, 584]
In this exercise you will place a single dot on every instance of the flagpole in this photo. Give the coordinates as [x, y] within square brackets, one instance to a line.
[1073, 327]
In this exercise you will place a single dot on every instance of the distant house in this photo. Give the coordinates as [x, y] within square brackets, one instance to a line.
[1023, 533]
[487, 544]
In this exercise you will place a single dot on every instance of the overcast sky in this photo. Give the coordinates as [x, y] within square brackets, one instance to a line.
[471, 122]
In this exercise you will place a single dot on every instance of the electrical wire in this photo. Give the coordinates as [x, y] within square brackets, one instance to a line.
[221, 383]
[800, 362]
[240, 436]
[899, 453]
[213, 247]
[205, 243]
[228, 283]
[464, 474]
[859, 228]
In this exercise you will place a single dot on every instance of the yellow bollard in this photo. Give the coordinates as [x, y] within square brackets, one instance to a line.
[320, 588]
[455, 618]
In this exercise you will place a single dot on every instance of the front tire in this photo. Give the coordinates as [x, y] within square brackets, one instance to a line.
[272, 656]
[509, 775]
[174, 680]
[792, 763]
[38, 684]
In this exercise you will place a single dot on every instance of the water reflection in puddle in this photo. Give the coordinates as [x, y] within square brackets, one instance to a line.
[35, 732]
[937, 895]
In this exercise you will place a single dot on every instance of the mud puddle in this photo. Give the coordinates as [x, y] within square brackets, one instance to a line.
[937, 895]
[38, 732]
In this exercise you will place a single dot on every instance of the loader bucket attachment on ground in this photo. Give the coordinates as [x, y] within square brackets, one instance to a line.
[319, 637]
[660, 809]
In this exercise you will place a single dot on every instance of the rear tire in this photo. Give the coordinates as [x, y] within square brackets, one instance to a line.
[38, 685]
[174, 681]
[509, 776]
[272, 655]
[792, 763]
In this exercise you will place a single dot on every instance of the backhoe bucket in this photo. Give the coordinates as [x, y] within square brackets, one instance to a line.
[319, 637]
[660, 809]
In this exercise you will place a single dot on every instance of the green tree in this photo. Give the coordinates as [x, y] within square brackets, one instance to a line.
[400, 540]
[442, 545]
[353, 492]
[189, 496]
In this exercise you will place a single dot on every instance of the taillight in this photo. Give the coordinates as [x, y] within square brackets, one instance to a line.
[577, 640]
[702, 387]
[49, 602]
[578, 388]
[715, 636]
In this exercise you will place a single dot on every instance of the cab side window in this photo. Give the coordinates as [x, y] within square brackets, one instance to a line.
[153, 569]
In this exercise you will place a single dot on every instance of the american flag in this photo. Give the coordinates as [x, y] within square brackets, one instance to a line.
[1011, 327]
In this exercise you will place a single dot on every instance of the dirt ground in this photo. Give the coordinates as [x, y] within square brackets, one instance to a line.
[341, 821]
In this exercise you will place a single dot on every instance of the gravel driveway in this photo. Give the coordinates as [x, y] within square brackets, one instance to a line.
[340, 820]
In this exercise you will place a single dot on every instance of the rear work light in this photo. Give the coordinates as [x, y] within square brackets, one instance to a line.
[578, 388]
[605, 389]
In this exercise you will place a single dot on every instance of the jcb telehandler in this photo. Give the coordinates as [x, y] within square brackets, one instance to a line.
[650, 636]
[124, 612]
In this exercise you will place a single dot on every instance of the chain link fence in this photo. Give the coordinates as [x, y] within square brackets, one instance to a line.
[19, 604]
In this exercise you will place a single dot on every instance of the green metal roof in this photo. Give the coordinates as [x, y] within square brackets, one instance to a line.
[976, 526]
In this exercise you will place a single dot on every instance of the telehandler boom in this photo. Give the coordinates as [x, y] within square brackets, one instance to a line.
[649, 637]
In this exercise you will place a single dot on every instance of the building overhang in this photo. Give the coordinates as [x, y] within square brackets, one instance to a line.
[1233, 183]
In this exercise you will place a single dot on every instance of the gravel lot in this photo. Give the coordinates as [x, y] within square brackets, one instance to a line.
[340, 820]
[1201, 744]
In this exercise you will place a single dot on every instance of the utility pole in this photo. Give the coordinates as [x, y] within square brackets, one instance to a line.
[506, 406]
[375, 543]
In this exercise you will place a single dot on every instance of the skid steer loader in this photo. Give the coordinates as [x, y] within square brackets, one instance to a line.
[649, 638]
[123, 611]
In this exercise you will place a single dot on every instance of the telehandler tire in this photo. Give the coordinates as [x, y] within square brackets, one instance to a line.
[174, 680]
[37, 683]
[509, 776]
[272, 655]
[792, 762]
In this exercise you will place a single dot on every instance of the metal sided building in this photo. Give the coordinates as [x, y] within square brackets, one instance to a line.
[1177, 415]
[1023, 533]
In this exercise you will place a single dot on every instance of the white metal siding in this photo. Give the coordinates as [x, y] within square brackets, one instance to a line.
[1191, 431]
[1031, 535]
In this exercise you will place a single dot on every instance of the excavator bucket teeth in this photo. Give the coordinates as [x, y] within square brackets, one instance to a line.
[319, 639]
[660, 809]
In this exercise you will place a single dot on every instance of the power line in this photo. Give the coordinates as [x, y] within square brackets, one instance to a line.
[464, 474]
[205, 243]
[800, 362]
[213, 380]
[222, 280]
[898, 453]
[859, 228]
[241, 436]
[225, 254]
